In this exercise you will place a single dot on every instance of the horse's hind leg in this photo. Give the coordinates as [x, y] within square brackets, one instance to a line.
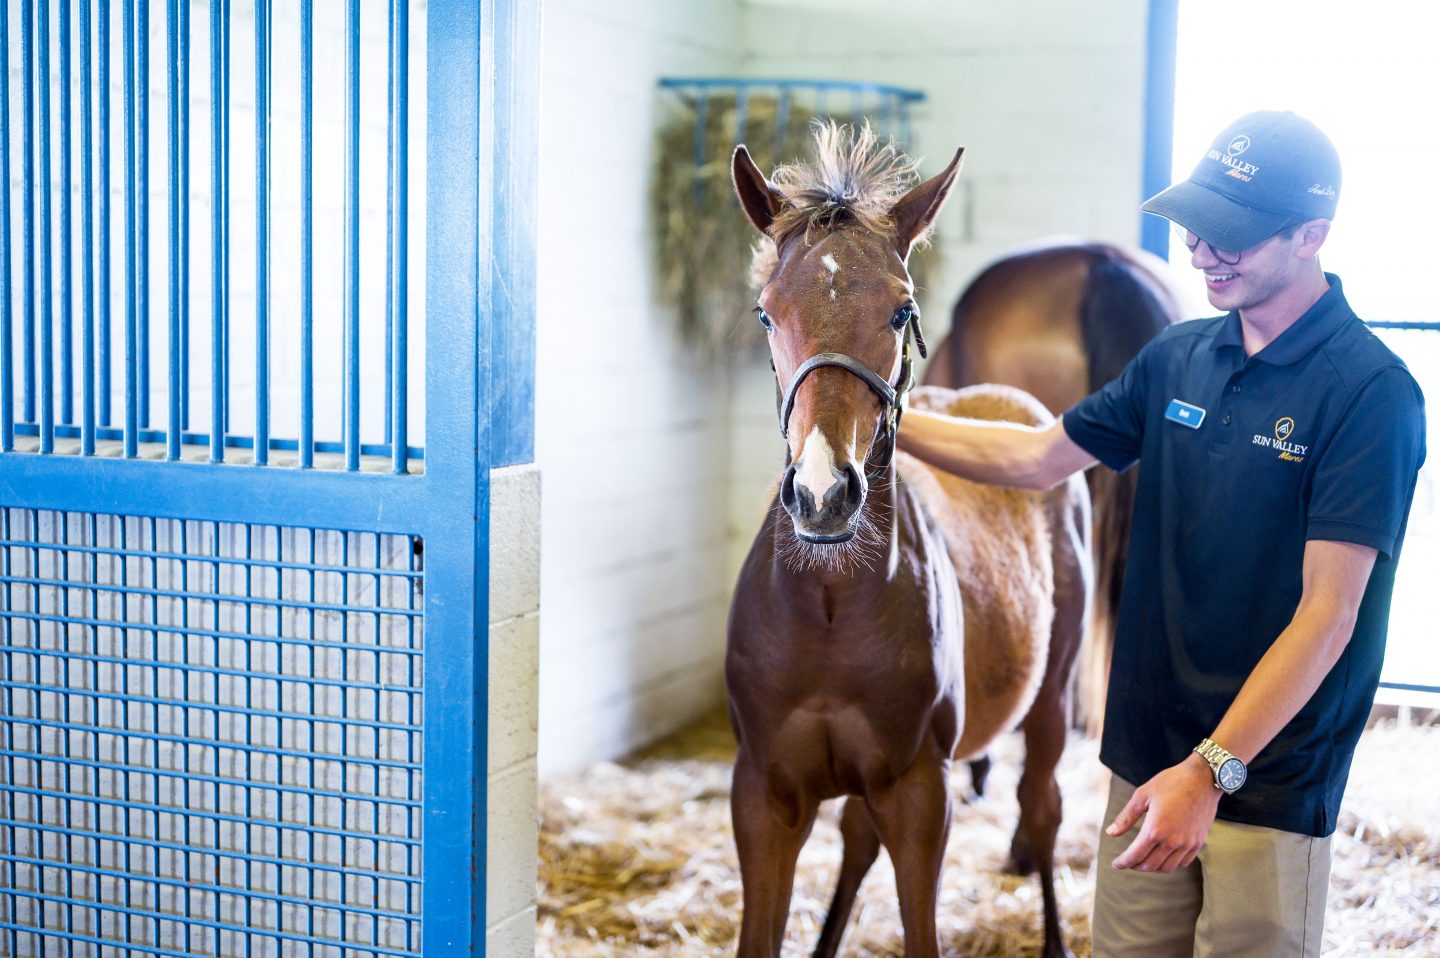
[862, 846]
[1046, 725]
[768, 848]
[979, 774]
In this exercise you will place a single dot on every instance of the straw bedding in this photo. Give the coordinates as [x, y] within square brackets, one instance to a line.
[636, 859]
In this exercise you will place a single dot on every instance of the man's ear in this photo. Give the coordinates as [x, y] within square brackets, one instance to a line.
[1312, 237]
[916, 210]
[760, 200]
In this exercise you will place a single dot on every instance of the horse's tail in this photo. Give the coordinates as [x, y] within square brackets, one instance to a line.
[1125, 306]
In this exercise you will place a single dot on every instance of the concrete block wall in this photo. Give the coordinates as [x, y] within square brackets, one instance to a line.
[632, 433]
[514, 639]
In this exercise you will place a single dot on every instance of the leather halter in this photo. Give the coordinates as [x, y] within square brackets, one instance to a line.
[892, 398]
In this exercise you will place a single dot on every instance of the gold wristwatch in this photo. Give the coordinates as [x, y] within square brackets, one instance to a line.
[1228, 770]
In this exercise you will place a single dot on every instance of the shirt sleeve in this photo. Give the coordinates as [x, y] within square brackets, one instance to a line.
[1365, 476]
[1110, 422]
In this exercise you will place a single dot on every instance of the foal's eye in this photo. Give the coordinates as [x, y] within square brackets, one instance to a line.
[902, 316]
[764, 318]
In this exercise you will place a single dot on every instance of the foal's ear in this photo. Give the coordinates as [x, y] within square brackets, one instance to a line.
[916, 211]
[760, 200]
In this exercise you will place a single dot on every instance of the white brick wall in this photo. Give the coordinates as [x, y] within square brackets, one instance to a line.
[631, 432]
[510, 825]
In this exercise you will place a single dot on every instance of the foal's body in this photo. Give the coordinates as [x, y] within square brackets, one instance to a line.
[888, 618]
[1059, 319]
[866, 683]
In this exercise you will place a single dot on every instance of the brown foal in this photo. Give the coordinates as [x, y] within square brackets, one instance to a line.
[889, 619]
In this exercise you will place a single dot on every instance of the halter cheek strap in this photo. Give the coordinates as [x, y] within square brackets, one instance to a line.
[892, 398]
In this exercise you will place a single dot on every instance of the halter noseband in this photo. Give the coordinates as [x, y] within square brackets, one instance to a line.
[892, 398]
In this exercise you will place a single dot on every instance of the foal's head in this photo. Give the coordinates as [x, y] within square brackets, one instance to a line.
[832, 267]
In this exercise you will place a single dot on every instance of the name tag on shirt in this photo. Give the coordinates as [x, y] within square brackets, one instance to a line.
[1185, 414]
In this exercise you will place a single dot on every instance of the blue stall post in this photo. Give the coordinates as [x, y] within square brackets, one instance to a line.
[217, 235]
[1162, 27]
[67, 224]
[458, 230]
[102, 283]
[142, 213]
[87, 240]
[262, 232]
[132, 278]
[7, 372]
[397, 380]
[46, 259]
[307, 234]
[182, 133]
[174, 365]
[350, 393]
[27, 194]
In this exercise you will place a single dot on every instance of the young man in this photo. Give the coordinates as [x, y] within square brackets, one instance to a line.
[1280, 446]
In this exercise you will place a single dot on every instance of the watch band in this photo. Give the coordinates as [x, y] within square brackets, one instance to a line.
[1213, 753]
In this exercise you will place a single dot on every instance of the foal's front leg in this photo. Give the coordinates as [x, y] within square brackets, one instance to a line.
[768, 848]
[913, 819]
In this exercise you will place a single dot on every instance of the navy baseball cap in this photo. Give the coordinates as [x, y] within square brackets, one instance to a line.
[1264, 172]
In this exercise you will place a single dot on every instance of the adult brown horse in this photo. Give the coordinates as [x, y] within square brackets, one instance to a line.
[1059, 320]
[889, 618]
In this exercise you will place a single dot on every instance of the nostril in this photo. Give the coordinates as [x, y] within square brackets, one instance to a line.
[854, 484]
[789, 497]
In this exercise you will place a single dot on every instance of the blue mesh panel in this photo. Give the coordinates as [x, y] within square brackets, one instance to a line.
[210, 739]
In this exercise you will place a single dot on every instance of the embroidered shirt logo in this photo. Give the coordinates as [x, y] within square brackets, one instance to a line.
[1289, 451]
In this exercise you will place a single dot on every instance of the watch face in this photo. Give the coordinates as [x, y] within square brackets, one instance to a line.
[1231, 774]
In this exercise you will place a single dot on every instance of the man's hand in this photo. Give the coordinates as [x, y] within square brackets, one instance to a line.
[1179, 807]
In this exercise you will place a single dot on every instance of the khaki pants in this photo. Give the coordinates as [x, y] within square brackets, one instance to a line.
[1252, 892]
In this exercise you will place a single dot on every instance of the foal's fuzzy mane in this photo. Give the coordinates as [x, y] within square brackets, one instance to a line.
[854, 179]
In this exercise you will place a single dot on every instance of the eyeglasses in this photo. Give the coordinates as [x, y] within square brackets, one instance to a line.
[1225, 256]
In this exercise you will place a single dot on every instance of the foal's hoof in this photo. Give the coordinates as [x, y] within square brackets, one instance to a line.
[979, 772]
[1022, 862]
[1056, 949]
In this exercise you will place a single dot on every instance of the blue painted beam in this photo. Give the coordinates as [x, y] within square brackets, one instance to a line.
[460, 145]
[323, 499]
[1160, 40]
[511, 406]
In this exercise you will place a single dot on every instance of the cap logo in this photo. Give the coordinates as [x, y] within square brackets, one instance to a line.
[1239, 169]
[1319, 190]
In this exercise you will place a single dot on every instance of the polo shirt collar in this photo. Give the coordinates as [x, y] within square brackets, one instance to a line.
[1318, 324]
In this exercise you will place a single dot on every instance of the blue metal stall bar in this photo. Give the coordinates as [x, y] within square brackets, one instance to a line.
[64, 389]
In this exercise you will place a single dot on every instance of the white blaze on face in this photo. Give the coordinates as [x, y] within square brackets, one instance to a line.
[814, 470]
[829, 263]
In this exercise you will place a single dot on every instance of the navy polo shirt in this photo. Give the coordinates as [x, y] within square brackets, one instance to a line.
[1245, 458]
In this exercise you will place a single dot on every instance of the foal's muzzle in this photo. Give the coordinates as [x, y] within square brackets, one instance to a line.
[833, 520]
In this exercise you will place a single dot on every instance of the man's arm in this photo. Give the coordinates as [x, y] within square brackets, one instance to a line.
[1001, 453]
[1179, 804]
